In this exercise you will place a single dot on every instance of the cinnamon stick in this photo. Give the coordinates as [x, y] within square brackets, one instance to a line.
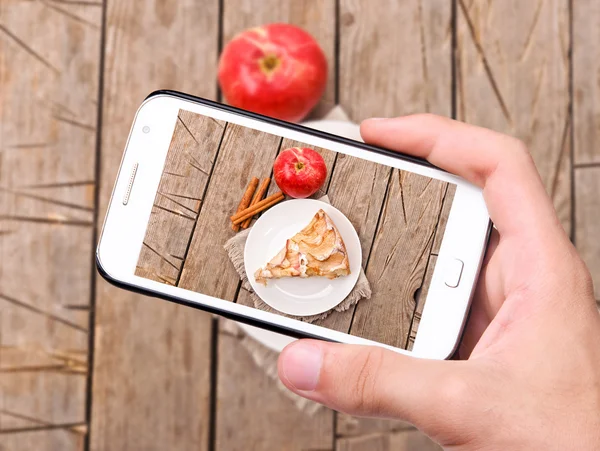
[258, 195]
[257, 208]
[246, 199]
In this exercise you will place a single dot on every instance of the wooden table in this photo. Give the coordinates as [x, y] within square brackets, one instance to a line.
[84, 365]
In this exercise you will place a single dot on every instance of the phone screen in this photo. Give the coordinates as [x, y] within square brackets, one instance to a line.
[356, 256]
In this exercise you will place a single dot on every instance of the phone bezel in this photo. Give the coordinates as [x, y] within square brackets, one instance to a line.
[436, 339]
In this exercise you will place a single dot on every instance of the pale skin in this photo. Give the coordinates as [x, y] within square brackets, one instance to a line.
[529, 377]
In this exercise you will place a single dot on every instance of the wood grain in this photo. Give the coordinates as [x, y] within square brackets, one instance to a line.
[420, 302]
[413, 86]
[48, 85]
[518, 82]
[152, 359]
[387, 69]
[587, 219]
[586, 88]
[443, 221]
[357, 189]
[395, 58]
[397, 441]
[423, 291]
[399, 257]
[244, 153]
[358, 186]
[244, 390]
[272, 420]
[42, 440]
[185, 175]
[348, 426]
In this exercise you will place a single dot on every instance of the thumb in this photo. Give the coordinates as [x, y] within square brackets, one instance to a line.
[373, 381]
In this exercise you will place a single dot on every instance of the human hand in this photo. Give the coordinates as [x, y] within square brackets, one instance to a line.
[532, 378]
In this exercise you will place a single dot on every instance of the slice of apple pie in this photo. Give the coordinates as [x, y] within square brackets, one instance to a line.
[317, 250]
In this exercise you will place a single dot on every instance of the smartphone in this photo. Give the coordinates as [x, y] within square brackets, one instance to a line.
[393, 245]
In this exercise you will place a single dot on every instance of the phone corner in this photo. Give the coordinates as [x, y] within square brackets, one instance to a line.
[103, 270]
[158, 92]
[99, 266]
[436, 350]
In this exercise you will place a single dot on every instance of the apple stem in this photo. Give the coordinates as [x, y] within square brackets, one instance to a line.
[269, 63]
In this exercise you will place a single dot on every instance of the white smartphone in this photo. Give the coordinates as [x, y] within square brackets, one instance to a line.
[386, 252]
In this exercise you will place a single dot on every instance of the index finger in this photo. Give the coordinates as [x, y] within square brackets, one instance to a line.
[499, 164]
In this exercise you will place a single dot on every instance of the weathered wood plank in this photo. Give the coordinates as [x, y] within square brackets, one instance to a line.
[362, 198]
[43, 375]
[443, 221]
[422, 74]
[395, 58]
[185, 175]
[42, 440]
[586, 73]
[518, 82]
[12, 422]
[349, 426]
[394, 63]
[421, 295]
[357, 189]
[190, 159]
[72, 205]
[244, 153]
[586, 110]
[397, 441]
[273, 421]
[400, 253]
[152, 359]
[49, 83]
[587, 220]
[240, 381]
[420, 301]
[244, 390]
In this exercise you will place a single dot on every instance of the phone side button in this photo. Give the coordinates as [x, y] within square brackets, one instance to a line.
[454, 271]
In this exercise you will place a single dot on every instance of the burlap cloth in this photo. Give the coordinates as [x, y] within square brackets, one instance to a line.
[263, 357]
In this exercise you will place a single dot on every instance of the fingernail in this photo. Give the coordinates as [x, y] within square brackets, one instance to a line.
[376, 119]
[301, 365]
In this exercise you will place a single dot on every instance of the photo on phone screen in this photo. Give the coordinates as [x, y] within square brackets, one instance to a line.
[357, 257]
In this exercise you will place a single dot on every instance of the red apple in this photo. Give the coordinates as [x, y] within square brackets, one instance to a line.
[277, 70]
[299, 172]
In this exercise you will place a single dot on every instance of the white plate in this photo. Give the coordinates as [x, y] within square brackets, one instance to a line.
[295, 295]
